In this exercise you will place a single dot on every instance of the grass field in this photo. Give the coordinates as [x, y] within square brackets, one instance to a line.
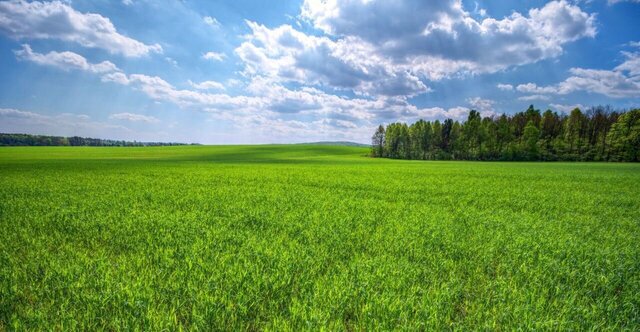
[311, 237]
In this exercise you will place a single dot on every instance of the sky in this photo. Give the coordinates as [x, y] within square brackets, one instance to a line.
[253, 72]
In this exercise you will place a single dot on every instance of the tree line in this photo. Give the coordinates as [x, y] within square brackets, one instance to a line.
[40, 140]
[599, 134]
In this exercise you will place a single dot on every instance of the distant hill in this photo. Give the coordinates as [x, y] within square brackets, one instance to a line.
[340, 143]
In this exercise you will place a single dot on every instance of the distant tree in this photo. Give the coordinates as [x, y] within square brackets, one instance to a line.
[420, 136]
[456, 141]
[624, 137]
[530, 140]
[550, 129]
[397, 141]
[532, 115]
[40, 140]
[472, 135]
[377, 142]
[573, 130]
[447, 127]
[503, 134]
[436, 146]
[598, 134]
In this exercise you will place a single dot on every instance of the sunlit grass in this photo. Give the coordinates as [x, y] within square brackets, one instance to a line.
[310, 237]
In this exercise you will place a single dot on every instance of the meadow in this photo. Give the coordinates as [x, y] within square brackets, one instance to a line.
[310, 237]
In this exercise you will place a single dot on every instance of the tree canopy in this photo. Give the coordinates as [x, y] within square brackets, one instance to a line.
[599, 134]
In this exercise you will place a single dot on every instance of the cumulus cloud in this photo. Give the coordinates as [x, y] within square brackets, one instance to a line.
[211, 21]
[286, 54]
[118, 77]
[479, 104]
[631, 65]
[566, 108]
[533, 97]
[132, 117]
[621, 82]
[57, 20]
[64, 60]
[533, 88]
[505, 87]
[436, 39]
[13, 113]
[368, 50]
[267, 99]
[214, 56]
[208, 85]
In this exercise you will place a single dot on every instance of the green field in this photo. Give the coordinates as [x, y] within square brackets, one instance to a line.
[304, 237]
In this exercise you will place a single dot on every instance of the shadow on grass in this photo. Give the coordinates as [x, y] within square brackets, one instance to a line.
[239, 154]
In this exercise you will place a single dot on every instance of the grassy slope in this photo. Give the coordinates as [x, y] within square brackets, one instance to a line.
[274, 237]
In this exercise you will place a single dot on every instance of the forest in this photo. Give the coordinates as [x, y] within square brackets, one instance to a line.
[41, 140]
[598, 134]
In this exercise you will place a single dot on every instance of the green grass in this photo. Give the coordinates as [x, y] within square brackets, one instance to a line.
[313, 237]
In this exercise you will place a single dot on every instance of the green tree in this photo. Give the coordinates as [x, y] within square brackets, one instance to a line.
[377, 142]
[624, 137]
[471, 131]
[530, 140]
[573, 128]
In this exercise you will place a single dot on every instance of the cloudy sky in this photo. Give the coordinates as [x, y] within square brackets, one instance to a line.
[242, 71]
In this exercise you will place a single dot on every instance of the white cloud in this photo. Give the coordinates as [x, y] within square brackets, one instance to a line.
[505, 87]
[127, 2]
[171, 61]
[439, 113]
[64, 60]
[605, 82]
[57, 20]
[368, 50]
[436, 39]
[234, 82]
[118, 77]
[13, 113]
[533, 97]
[270, 100]
[214, 56]
[132, 117]
[286, 54]
[208, 85]
[211, 21]
[566, 108]
[482, 105]
[479, 11]
[631, 65]
[621, 82]
[533, 88]
[64, 124]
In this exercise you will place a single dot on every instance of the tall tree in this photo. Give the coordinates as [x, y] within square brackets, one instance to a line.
[624, 137]
[599, 134]
[530, 140]
[377, 142]
[574, 125]
[472, 135]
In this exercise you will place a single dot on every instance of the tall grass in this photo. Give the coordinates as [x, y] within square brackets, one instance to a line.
[312, 237]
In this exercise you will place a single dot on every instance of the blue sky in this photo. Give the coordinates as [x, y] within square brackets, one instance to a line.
[236, 72]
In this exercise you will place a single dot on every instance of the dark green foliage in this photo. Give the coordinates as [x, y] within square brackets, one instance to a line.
[624, 137]
[600, 134]
[377, 142]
